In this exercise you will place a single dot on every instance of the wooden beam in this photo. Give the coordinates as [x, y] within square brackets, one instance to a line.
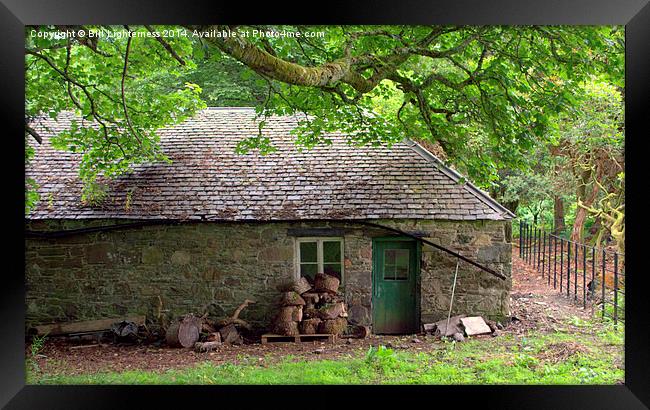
[84, 326]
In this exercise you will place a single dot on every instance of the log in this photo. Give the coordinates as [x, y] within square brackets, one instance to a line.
[184, 332]
[289, 313]
[310, 313]
[309, 326]
[291, 299]
[84, 326]
[311, 298]
[230, 335]
[333, 326]
[302, 286]
[332, 311]
[213, 337]
[287, 328]
[203, 347]
[326, 283]
[234, 319]
[360, 332]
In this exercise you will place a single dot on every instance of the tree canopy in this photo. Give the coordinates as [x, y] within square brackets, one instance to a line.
[482, 97]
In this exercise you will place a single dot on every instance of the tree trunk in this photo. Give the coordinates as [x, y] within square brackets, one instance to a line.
[184, 332]
[558, 215]
[581, 213]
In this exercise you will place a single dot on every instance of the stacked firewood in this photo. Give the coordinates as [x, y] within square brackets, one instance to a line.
[307, 308]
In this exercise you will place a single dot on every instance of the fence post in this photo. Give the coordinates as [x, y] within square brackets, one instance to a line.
[575, 273]
[615, 289]
[561, 264]
[543, 252]
[521, 249]
[568, 269]
[534, 245]
[555, 262]
[548, 264]
[603, 280]
[584, 276]
[592, 289]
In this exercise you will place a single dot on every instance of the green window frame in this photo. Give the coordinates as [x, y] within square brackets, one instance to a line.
[325, 259]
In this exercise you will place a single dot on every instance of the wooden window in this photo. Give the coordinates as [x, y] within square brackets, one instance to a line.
[396, 264]
[324, 255]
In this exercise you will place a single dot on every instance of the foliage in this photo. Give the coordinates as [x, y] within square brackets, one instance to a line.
[486, 96]
[108, 83]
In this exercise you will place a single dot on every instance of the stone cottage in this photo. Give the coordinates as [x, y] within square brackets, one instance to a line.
[214, 226]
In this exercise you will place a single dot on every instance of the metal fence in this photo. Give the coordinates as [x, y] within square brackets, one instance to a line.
[588, 275]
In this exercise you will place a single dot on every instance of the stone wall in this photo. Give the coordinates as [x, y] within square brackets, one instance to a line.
[186, 266]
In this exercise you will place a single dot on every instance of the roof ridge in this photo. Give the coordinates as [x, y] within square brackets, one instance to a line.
[456, 176]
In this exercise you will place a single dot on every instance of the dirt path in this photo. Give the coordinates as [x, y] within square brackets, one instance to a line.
[535, 305]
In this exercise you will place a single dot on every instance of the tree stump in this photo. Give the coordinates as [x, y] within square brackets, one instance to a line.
[333, 326]
[286, 328]
[184, 332]
[230, 335]
[309, 326]
[291, 299]
[332, 311]
[289, 313]
[326, 283]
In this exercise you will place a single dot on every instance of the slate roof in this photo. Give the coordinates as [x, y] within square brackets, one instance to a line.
[208, 180]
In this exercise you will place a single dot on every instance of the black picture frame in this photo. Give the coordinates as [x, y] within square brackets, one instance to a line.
[16, 14]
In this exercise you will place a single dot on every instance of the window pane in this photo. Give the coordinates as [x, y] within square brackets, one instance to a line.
[396, 264]
[333, 269]
[308, 270]
[389, 256]
[331, 251]
[308, 252]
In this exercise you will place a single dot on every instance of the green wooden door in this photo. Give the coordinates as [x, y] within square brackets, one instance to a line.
[395, 269]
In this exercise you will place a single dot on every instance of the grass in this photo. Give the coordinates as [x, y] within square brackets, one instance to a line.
[583, 357]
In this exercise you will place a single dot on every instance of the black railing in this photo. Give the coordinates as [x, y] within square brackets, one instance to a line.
[588, 275]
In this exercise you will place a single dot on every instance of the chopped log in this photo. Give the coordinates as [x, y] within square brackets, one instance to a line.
[207, 327]
[440, 328]
[310, 313]
[326, 283]
[84, 326]
[333, 326]
[330, 298]
[230, 335]
[309, 326]
[289, 313]
[301, 286]
[311, 297]
[291, 299]
[360, 332]
[230, 321]
[213, 337]
[183, 332]
[203, 347]
[332, 311]
[234, 319]
[287, 328]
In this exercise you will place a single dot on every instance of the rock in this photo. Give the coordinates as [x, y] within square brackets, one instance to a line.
[458, 337]
[416, 340]
[454, 326]
[496, 333]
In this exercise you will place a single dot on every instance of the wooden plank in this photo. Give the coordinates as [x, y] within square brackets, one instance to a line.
[273, 338]
[84, 326]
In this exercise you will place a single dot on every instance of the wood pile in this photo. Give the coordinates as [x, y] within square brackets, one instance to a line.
[204, 334]
[308, 309]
